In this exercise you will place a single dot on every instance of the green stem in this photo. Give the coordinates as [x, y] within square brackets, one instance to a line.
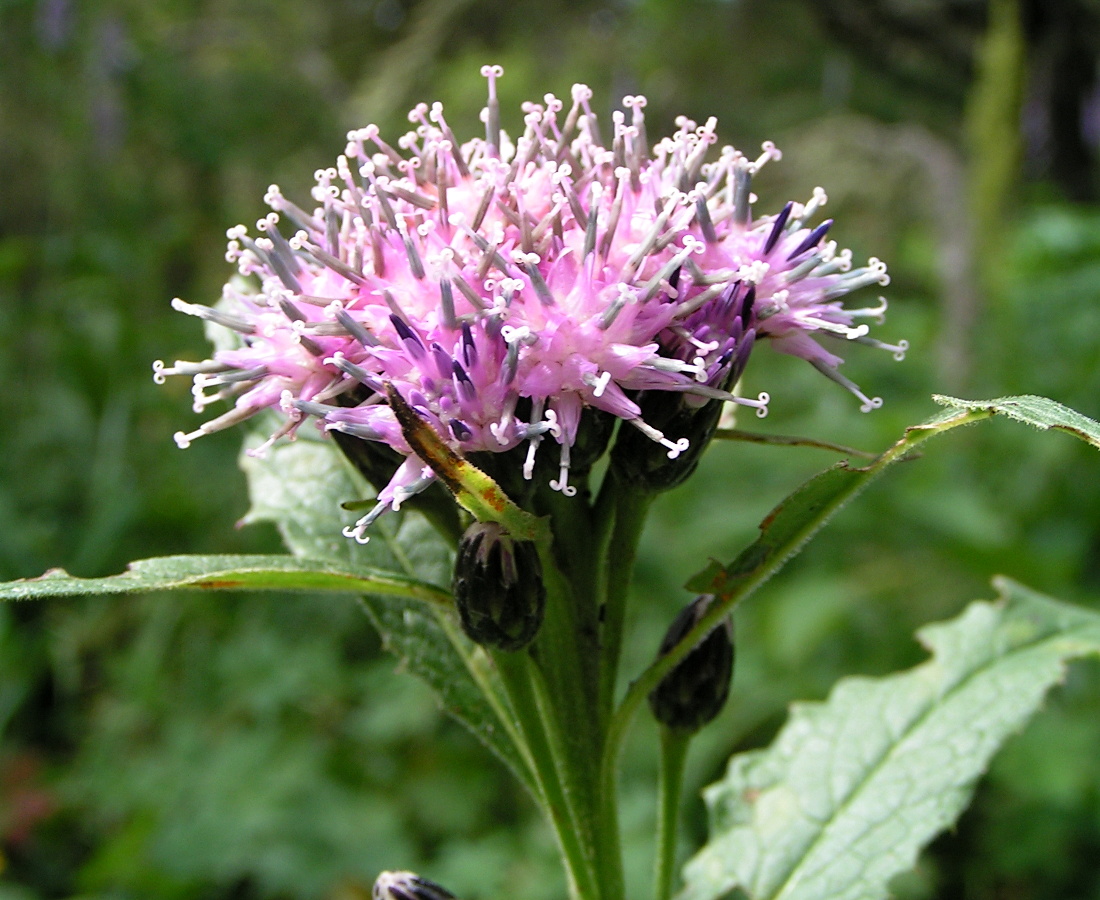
[620, 515]
[674, 745]
[628, 508]
[565, 683]
[763, 559]
[526, 695]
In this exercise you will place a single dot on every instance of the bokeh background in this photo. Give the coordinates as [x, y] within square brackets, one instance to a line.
[216, 747]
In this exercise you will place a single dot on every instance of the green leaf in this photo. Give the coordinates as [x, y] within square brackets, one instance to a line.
[475, 491]
[853, 788]
[798, 517]
[221, 573]
[430, 645]
[1037, 411]
[299, 487]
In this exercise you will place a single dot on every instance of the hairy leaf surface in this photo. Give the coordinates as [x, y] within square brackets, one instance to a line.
[300, 487]
[222, 573]
[852, 789]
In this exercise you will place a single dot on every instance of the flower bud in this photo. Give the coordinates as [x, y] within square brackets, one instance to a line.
[408, 886]
[498, 588]
[695, 691]
[648, 465]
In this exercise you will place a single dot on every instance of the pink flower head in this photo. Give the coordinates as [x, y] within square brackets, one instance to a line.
[504, 287]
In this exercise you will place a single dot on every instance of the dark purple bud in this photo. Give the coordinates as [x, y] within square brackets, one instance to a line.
[777, 227]
[408, 886]
[644, 463]
[811, 240]
[695, 691]
[498, 588]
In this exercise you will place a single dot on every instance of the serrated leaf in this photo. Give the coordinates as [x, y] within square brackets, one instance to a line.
[221, 573]
[852, 788]
[299, 487]
[1033, 410]
[800, 515]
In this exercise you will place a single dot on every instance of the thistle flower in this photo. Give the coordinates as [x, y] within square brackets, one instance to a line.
[504, 288]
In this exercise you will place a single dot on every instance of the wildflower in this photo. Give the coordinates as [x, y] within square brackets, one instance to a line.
[512, 290]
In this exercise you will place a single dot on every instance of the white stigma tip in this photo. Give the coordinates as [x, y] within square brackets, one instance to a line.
[601, 384]
[356, 533]
[552, 420]
[562, 486]
[675, 449]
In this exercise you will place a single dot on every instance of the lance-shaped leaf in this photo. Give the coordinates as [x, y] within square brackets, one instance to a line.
[798, 517]
[853, 788]
[227, 573]
[795, 520]
[1037, 411]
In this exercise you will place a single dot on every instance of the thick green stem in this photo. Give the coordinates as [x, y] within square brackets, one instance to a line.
[674, 745]
[627, 507]
[566, 679]
[619, 514]
[549, 764]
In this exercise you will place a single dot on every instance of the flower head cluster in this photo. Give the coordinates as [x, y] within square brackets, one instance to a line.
[503, 288]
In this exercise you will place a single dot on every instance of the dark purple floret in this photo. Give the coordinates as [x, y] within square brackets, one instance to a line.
[747, 304]
[469, 351]
[409, 337]
[778, 226]
[811, 240]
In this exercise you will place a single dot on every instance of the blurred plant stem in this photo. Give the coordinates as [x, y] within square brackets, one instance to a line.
[383, 93]
[994, 144]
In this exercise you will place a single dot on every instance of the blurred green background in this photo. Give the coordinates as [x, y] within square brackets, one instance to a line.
[264, 747]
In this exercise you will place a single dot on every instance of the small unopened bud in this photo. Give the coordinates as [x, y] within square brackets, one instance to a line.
[646, 464]
[498, 588]
[695, 691]
[408, 886]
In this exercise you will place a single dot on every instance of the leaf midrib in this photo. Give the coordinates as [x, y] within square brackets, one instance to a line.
[914, 726]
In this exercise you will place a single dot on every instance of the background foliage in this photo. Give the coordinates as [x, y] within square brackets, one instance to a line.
[254, 747]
